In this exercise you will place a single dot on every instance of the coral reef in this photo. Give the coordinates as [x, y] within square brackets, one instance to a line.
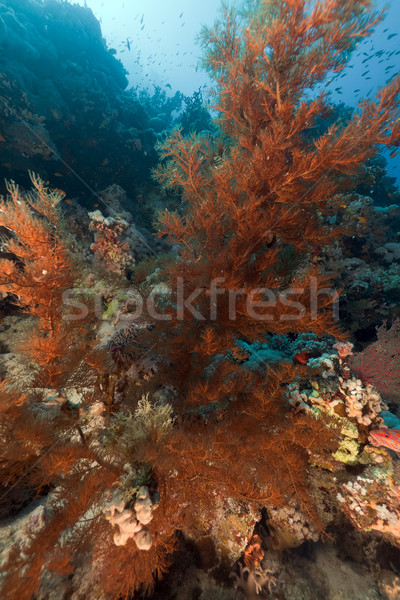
[372, 503]
[64, 111]
[289, 527]
[379, 363]
[229, 417]
[362, 264]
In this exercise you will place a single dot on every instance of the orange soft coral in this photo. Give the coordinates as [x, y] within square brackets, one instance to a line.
[40, 273]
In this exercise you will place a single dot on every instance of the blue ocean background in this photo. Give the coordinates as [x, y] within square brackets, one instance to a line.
[156, 42]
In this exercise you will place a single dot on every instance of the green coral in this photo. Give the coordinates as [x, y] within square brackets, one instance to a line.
[349, 445]
[390, 277]
[112, 307]
[113, 302]
[347, 452]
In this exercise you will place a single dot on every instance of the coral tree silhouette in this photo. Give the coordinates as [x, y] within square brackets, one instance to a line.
[40, 271]
[254, 195]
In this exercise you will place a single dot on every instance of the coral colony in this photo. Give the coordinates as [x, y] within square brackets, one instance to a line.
[200, 374]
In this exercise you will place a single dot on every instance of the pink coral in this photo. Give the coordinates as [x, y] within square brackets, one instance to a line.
[373, 504]
[379, 363]
[110, 248]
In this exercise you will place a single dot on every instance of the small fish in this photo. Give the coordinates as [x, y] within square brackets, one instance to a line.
[301, 358]
[394, 153]
[390, 438]
[61, 192]
[362, 219]
[392, 35]
[2, 139]
[57, 174]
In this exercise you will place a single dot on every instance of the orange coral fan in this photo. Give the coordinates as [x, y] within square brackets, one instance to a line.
[379, 363]
[40, 271]
[43, 448]
[40, 268]
[261, 190]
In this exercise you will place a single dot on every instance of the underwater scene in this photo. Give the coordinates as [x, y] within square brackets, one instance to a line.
[199, 300]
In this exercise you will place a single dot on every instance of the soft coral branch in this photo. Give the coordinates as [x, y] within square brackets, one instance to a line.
[39, 273]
